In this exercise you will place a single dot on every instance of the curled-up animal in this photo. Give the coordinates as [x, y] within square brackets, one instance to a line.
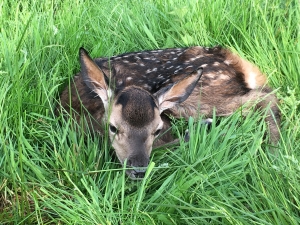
[136, 93]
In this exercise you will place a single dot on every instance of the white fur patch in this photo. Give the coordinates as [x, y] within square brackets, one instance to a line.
[207, 121]
[210, 75]
[223, 77]
[146, 86]
[251, 80]
[227, 62]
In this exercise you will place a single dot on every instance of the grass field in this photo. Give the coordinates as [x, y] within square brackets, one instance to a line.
[49, 174]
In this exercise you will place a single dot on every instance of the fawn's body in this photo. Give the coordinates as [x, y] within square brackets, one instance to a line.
[144, 88]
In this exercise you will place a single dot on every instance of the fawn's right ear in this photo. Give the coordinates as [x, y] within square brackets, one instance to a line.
[93, 77]
[178, 92]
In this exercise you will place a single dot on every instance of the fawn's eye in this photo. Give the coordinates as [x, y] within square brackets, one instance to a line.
[113, 129]
[157, 132]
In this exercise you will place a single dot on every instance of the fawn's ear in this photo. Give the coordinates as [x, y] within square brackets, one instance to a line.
[178, 92]
[93, 77]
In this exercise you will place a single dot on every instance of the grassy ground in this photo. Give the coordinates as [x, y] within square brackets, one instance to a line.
[52, 175]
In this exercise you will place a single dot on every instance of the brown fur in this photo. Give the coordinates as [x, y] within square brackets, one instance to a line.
[227, 83]
[132, 102]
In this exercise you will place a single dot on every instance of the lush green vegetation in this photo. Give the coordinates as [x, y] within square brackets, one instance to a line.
[52, 175]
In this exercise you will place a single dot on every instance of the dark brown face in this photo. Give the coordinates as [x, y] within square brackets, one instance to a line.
[137, 106]
[133, 125]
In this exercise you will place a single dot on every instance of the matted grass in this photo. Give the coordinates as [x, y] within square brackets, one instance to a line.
[51, 174]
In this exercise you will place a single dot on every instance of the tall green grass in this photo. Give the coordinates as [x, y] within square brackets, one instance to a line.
[51, 174]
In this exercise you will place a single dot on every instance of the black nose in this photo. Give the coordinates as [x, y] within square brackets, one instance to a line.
[138, 173]
[138, 165]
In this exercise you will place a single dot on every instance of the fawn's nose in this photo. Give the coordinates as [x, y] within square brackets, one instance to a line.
[138, 166]
[139, 172]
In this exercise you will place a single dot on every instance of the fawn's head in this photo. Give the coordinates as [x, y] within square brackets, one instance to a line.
[134, 114]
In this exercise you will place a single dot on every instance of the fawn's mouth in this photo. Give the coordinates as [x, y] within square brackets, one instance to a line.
[136, 173]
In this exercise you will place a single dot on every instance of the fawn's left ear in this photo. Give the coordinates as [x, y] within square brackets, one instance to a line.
[94, 78]
[178, 92]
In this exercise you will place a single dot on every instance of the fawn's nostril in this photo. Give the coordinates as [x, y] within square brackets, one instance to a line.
[139, 173]
[139, 169]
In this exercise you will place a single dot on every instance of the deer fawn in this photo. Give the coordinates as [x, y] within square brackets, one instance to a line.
[137, 92]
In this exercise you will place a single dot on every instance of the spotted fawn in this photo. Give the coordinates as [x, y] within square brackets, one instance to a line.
[136, 93]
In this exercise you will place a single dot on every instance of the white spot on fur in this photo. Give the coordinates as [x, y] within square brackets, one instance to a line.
[146, 86]
[227, 62]
[151, 70]
[251, 80]
[129, 78]
[216, 64]
[176, 71]
[207, 121]
[166, 81]
[223, 77]
[192, 59]
[210, 75]
[204, 65]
